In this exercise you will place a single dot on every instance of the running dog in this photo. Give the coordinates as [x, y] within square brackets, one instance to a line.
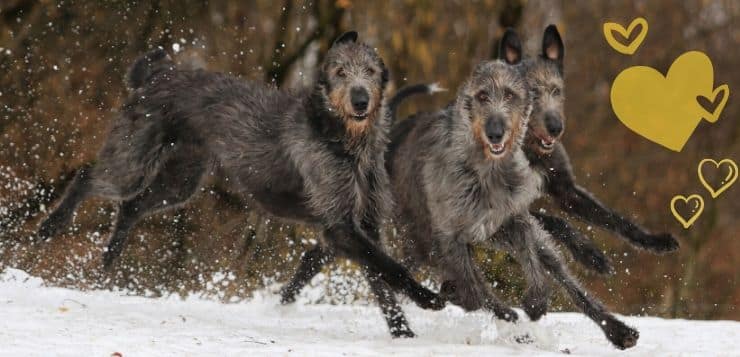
[314, 156]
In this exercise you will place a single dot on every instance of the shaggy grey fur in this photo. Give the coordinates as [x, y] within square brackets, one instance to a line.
[549, 157]
[314, 156]
[451, 194]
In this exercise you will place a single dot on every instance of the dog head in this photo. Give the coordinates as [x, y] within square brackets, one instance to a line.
[493, 105]
[545, 80]
[352, 80]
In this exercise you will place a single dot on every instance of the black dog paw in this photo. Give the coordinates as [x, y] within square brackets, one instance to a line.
[426, 299]
[619, 334]
[660, 243]
[403, 331]
[506, 313]
[287, 295]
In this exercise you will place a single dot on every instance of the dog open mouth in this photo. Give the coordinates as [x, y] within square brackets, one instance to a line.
[546, 143]
[359, 117]
[496, 149]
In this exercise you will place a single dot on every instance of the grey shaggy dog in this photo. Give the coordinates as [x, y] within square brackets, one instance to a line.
[460, 177]
[548, 156]
[314, 156]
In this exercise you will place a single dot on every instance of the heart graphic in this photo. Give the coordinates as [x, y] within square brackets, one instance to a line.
[631, 47]
[695, 211]
[665, 109]
[713, 108]
[726, 182]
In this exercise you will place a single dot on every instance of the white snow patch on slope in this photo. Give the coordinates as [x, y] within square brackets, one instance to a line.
[41, 321]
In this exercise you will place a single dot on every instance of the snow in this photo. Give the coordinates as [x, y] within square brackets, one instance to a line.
[37, 320]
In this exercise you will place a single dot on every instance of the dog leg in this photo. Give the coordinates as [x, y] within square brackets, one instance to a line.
[311, 263]
[176, 182]
[582, 249]
[576, 200]
[512, 237]
[580, 202]
[59, 218]
[619, 334]
[392, 312]
[354, 245]
[464, 285]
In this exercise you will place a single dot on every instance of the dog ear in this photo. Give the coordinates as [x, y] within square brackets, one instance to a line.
[552, 45]
[510, 49]
[349, 36]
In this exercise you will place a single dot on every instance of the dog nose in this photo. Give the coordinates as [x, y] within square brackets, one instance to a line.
[359, 98]
[495, 130]
[553, 124]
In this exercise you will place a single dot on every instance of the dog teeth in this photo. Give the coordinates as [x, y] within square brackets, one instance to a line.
[546, 144]
[496, 149]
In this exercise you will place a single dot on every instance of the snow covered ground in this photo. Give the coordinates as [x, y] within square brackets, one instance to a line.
[45, 321]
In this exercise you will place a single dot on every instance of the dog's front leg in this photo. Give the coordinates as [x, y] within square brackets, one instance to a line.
[580, 202]
[464, 284]
[574, 199]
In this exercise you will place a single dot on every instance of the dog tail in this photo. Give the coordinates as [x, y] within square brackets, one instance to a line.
[148, 65]
[409, 91]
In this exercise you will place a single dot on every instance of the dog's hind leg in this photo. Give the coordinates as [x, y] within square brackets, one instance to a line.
[582, 249]
[392, 311]
[311, 263]
[177, 180]
[78, 190]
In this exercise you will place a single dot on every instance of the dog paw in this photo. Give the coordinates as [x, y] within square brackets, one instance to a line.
[402, 332]
[619, 334]
[534, 309]
[287, 295]
[506, 313]
[660, 243]
[426, 299]
[466, 296]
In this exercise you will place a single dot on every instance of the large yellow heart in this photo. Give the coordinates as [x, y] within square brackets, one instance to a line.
[726, 182]
[666, 110]
[630, 48]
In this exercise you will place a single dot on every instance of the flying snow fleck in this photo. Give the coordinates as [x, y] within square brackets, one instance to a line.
[176, 47]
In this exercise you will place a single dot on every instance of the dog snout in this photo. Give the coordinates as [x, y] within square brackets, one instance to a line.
[495, 129]
[554, 124]
[360, 99]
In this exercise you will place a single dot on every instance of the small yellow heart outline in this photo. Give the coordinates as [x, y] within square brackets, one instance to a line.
[700, 208]
[712, 117]
[729, 180]
[631, 48]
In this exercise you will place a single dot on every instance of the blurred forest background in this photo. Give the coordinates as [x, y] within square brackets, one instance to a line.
[62, 65]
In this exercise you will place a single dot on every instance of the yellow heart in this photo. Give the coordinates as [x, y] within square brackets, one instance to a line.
[726, 182]
[698, 208]
[714, 115]
[665, 109]
[610, 27]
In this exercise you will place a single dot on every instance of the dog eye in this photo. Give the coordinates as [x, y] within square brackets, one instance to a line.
[556, 92]
[341, 73]
[508, 95]
[482, 96]
[369, 71]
